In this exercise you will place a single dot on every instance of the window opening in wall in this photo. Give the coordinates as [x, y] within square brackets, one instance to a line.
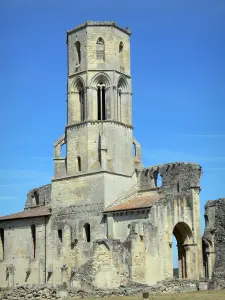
[79, 163]
[178, 187]
[63, 150]
[101, 101]
[206, 220]
[82, 104]
[2, 240]
[175, 257]
[158, 179]
[36, 198]
[87, 232]
[121, 57]
[78, 54]
[134, 149]
[100, 49]
[60, 237]
[33, 235]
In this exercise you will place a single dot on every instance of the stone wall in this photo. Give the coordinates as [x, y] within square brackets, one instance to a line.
[214, 235]
[39, 196]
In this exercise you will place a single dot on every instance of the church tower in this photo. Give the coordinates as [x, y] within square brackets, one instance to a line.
[99, 132]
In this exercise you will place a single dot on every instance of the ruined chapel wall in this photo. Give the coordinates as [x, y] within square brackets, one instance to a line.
[215, 234]
[39, 196]
[23, 267]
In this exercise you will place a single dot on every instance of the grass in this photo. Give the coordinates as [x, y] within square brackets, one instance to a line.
[203, 295]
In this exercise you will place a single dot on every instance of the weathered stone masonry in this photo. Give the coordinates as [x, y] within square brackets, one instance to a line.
[104, 221]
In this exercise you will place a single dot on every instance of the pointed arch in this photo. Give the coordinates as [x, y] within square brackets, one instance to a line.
[122, 100]
[78, 88]
[184, 238]
[100, 49]
[101, 78]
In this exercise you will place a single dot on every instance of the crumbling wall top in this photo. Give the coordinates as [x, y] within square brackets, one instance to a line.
[178, 175]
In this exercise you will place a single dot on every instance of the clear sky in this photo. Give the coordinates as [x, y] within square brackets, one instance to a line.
[178, 70]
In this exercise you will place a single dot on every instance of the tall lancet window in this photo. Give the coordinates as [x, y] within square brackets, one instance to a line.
[82, 104]
[121, 57]
[100, 49]
[78, 54]
[122, 101]
[101, 101]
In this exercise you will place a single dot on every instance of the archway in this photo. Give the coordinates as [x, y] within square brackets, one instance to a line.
[183, 236]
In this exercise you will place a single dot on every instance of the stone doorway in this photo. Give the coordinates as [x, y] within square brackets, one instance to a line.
[183, 235]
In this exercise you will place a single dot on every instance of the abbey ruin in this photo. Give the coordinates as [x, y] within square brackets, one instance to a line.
[105, 219]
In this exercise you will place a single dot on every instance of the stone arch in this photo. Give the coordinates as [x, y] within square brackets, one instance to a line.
[208, 258]
[101, 78]
[123, 98]
[184, 238]
[102, 104]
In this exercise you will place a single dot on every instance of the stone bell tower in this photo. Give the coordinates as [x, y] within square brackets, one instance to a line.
[99, 132]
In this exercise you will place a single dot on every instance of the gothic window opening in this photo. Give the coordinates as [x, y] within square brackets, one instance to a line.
[87, 233]
[79, 163]
[2, 241]
[178, 187]
[100, 49]
[82, 104]
[60, 236]
[78, 54]
[101, 101]
[36, 198]
[33, 236]
[122, 101]
[157, 179]
[121, 57]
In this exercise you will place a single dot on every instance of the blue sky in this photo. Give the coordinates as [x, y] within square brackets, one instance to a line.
[178, 70]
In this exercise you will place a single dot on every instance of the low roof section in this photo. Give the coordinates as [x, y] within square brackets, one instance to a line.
[40, 211]
[135, 203]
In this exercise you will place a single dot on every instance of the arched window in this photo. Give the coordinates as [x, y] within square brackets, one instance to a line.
[78, 54]
[79, 163]
[78, 109]
[100, 49]
[87, 232]
[36, 198]
[122, 101]
[101, 101]
[121, 57]
[157, 179]
[33, 236]
[60, 236]
[2, 241]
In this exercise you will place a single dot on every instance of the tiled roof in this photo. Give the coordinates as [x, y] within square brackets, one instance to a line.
[29, 213]
[137, 202]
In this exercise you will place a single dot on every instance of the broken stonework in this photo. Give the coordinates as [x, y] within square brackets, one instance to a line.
[48, 292]
[214, 242]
